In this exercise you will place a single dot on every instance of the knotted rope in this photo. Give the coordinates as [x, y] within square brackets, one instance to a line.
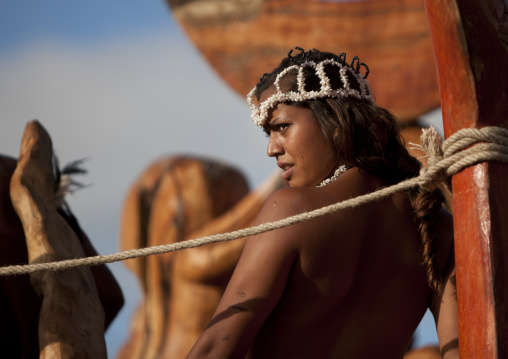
[455, 154]
[444, 160]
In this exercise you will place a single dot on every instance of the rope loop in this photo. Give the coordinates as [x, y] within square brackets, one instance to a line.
[463, 149]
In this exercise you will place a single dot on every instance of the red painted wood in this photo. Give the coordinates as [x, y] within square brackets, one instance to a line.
[477, 331]
[471, 47]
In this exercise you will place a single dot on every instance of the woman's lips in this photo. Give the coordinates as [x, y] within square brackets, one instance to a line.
[287, 172]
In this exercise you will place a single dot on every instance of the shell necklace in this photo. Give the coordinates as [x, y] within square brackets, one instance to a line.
[340, 170]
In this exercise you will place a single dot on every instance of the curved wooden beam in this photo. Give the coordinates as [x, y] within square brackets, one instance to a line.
[243, 39]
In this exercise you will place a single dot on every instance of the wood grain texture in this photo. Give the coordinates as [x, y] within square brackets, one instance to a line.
[181, 198]
[71, 320]
[470, 44]
[242, 39]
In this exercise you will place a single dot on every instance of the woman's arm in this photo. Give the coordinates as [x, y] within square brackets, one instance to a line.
[254, 289]
[445, 311]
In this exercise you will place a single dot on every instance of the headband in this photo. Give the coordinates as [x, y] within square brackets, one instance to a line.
[260, 111]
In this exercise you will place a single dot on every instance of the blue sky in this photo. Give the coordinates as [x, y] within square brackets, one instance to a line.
[25, 21]
[118, 83]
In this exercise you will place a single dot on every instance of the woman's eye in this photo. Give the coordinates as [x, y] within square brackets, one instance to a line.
[275, 128]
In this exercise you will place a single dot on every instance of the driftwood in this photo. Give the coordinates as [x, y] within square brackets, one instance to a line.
[71, 321]
[243, 39]
[471, 46]
[179, 199]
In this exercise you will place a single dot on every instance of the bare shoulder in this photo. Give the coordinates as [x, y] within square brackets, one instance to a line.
[284, 203]
[292, 200]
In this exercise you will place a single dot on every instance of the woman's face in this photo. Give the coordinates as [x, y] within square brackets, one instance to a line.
[301, 148]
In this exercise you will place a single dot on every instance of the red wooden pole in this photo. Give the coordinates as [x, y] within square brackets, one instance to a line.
[470, 40]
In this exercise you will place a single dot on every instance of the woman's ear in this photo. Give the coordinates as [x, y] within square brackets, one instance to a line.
[335, 135]
[335, 141]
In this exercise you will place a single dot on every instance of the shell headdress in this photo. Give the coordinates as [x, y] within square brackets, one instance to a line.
[354, 84]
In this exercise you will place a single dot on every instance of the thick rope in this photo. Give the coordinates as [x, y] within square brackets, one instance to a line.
[444, 161]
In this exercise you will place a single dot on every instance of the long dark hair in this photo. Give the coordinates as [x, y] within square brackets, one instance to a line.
[365, 136]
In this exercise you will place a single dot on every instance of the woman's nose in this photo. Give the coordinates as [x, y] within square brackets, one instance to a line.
[274, 147]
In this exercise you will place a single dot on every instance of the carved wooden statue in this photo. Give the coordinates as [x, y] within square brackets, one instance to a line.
[48, 314]
[177, 199]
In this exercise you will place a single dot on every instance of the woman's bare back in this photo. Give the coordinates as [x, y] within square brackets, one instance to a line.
[349, 284]
[358, 288]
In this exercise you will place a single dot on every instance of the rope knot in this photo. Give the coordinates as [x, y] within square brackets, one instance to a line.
[464, 148]
[432, 175]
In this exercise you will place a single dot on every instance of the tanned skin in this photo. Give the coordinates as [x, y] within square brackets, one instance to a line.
[345, 285]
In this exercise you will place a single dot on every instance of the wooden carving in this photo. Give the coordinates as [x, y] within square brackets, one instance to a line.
[20, 305]
[177, 199]
[243, 39]
[71, 320]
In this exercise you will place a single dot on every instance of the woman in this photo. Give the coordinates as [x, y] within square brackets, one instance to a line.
[350, 284]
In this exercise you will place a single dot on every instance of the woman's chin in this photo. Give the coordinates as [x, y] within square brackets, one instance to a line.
[296, 183]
